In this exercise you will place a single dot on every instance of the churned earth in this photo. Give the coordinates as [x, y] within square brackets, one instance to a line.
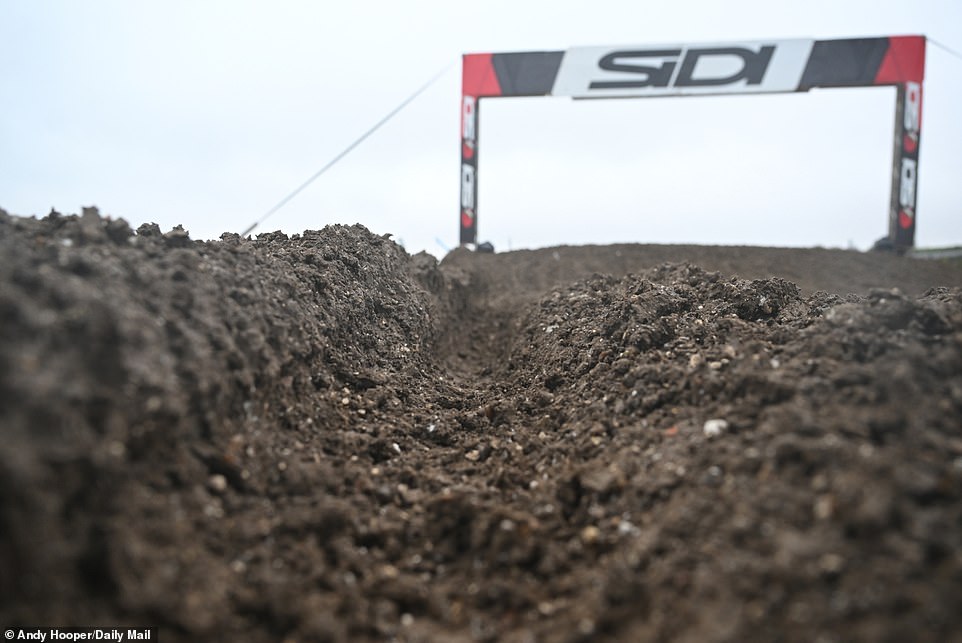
[322, 438]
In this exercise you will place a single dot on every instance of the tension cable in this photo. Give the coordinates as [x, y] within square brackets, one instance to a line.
[345, 152]
[944, 48]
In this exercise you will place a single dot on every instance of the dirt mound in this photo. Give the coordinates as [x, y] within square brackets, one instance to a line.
[322, 438]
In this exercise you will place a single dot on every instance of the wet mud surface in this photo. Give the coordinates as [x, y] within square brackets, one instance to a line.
[322, 438]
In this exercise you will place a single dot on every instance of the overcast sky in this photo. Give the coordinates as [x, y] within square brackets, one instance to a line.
[207, 113]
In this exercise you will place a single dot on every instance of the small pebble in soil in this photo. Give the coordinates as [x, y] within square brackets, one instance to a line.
[117, 449]
[831, 564]
[824, 506]
[625, 528]
[217, 483]
[715, 427]
[546, 608]
[590, 535]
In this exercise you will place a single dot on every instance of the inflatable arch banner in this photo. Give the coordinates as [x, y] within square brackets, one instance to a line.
[759, 66]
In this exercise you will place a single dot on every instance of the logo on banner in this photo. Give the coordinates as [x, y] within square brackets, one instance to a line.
[911, 118]
[913, 107]
[907, 184]
[774, 66]
[907, 193]
[468, 129]
[698, 67]
[467, 187]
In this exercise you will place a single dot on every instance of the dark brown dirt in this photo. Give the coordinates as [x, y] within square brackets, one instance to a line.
[323, 438]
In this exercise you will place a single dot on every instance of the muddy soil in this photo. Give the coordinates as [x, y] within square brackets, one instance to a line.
[320, 437]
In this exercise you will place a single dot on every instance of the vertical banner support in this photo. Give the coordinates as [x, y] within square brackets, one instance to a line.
[469, 169]
[905, 165]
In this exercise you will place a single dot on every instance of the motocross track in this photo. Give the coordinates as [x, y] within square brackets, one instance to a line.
[323, 438]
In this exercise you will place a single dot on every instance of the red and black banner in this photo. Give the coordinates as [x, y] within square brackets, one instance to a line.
[761, 66]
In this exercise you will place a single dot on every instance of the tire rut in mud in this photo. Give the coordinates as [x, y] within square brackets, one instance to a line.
[320, 437]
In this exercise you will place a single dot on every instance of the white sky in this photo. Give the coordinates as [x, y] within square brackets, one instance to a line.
[207, 113]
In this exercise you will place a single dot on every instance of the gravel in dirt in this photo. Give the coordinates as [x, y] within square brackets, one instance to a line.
[321, 437]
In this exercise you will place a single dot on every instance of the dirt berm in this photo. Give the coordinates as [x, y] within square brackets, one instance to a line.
[323, 438]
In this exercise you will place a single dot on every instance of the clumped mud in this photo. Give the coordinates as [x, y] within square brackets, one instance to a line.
[323, 438]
